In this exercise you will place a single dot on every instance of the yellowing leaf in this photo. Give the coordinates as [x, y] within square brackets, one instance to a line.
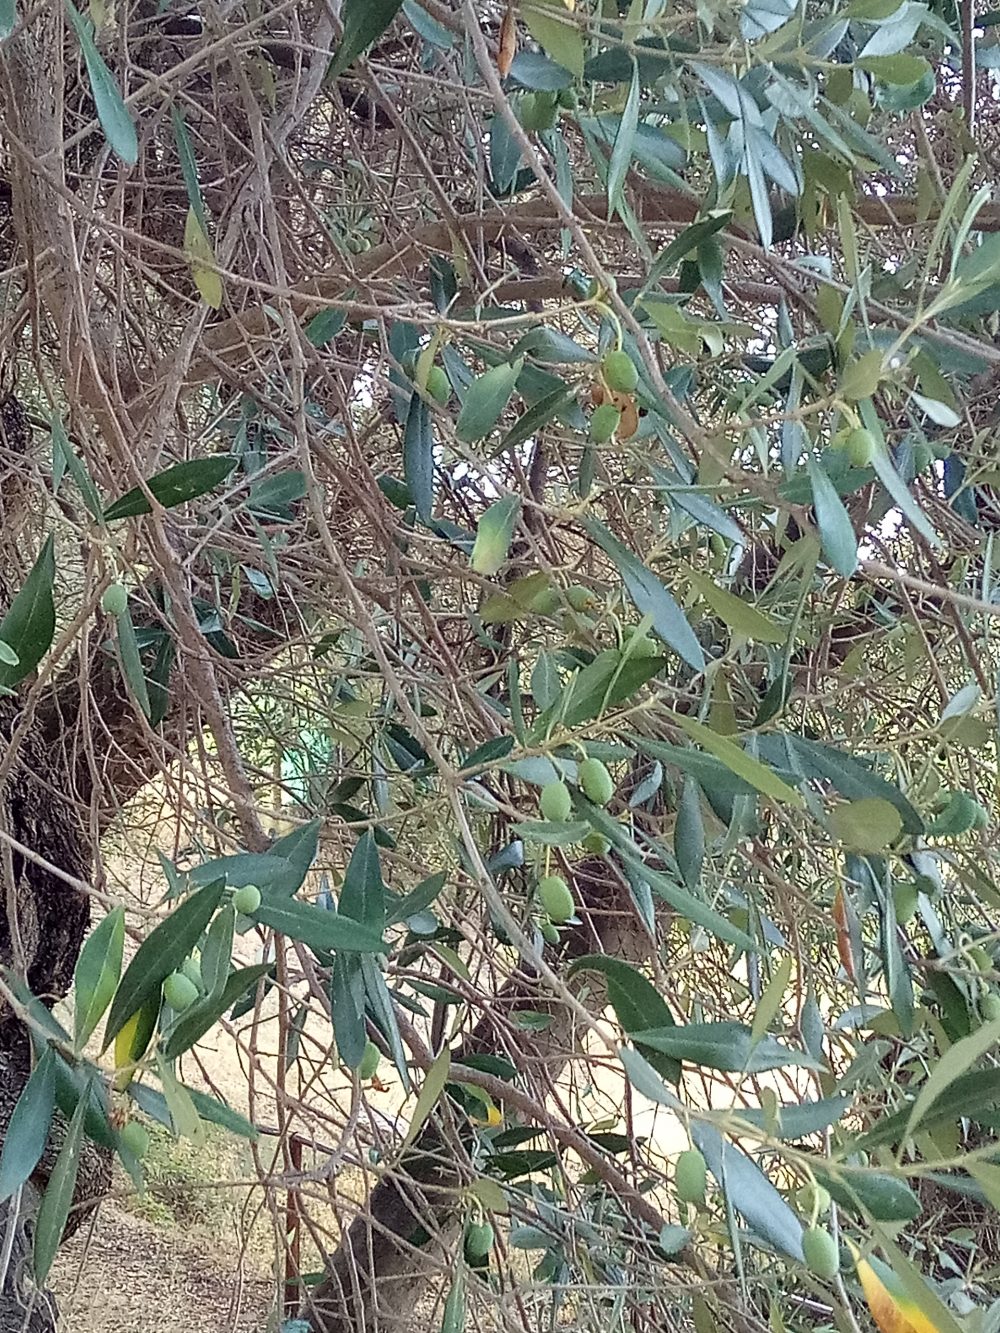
[733, 611]
[891, 1307]
[133, 1039]
[507, 49]
[867, 826]
[492, 1118]
[198, 249]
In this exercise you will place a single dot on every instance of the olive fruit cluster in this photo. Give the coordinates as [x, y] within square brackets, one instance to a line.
[615, 411]
[555, 803]
[182, 988]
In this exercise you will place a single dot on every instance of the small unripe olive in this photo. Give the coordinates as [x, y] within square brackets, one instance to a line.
[478, 1240]
[821, 1252]
[813, 1200]
[597, 783]
[690, 1177]
[579, 597]
[537, 111]
[620, 374]
[135, 1138]
[555, 802]
[979, 958]
[114, 599]
[597, 844]
[989, 1007]
[247, 899]
[557, 900]
[179, 991]
[904, 900]
[438, 385]
[369, 1061]
[641, 645]
[861, 447]
[604, 422]
[548, 932]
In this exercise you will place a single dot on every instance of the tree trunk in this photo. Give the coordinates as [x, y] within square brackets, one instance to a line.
[398, 1248]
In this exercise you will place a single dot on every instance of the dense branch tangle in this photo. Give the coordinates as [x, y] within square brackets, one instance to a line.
[332, 611]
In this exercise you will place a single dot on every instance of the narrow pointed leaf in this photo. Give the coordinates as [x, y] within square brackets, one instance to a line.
[98, 970]
[58, 1198]
[493, 535]
[364, 22]
[836, 531]
[28, 1128]
[650, 597]
[174, 486]
[30, 623]
[108, 102]
[485, 401]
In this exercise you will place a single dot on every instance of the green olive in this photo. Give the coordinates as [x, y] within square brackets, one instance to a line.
[135, 1138]
[597, 844]
[923, 457]
[904, 900]
[580, 598]
[820, 1252]
[114, 599]
[179, 991]
[861, 447]
[369, 1061]
[479, 1239]
[247, 899]
[989, 1007]
[604, 422]
[813, 1200]
[548, 932]
[641, 645]
[979, 958]
[537, 111]
[619, 372]
[438, 385]
[597, 783]
[556, 899]
[555, 802]
[690, 1177]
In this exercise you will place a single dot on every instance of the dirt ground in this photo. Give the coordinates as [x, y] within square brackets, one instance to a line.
[127, 1274]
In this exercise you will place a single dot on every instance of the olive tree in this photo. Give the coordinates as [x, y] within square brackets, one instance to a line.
[544, 454]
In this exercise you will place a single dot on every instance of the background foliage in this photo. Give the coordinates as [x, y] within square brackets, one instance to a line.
[515, 486]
